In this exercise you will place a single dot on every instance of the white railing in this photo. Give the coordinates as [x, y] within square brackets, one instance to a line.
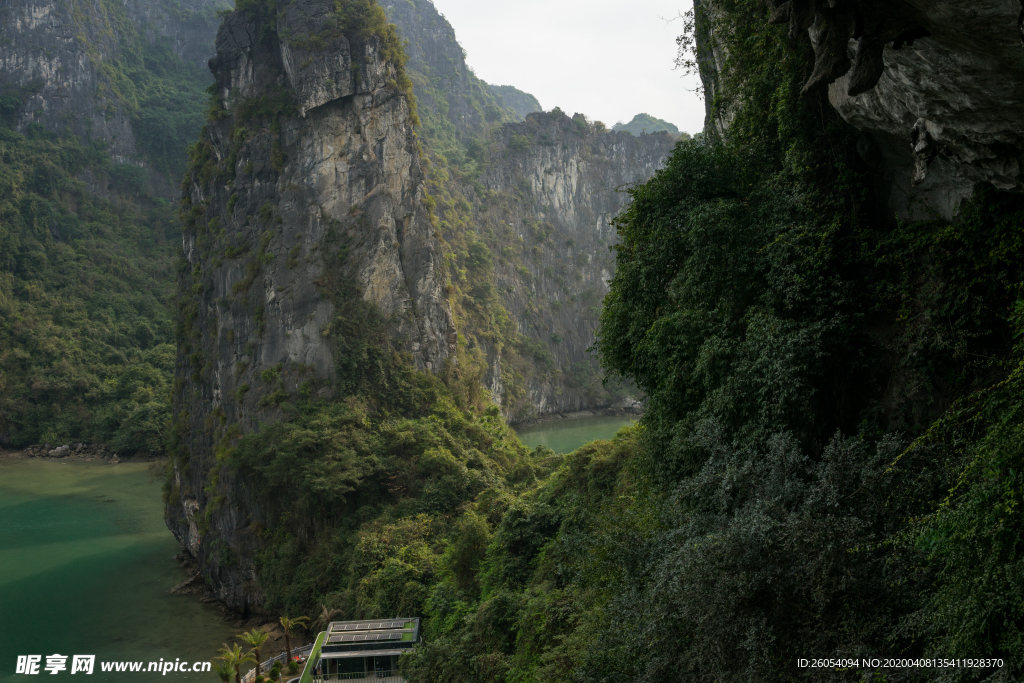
[301, 652]
[369, 677]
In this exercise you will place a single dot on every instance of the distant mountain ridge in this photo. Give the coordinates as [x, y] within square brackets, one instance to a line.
[522, 103]
[525, 201]
[645, 123]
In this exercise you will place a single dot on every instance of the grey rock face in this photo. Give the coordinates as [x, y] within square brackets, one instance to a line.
[711, 58]
[933, 85]
[327, 190]
[563, 183]
[572, 180]
[55, 48]
[948, 111]
[56, 51]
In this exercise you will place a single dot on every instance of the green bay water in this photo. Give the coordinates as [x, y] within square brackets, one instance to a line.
[86, 563]
[565, 436]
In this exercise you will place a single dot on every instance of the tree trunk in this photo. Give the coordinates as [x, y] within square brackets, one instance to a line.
[258, 672]
[288, 646]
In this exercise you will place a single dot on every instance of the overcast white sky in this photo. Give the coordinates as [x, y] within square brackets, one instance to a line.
[608, 59]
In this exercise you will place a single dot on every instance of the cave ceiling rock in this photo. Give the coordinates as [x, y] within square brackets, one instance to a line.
[935, 83]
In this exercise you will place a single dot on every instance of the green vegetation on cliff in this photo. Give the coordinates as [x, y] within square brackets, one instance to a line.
[86, 254]
[830, 462]
[645, 123]
[85, 283]
[829, 465]
[520, 102]
[86, 335]
[164, 96]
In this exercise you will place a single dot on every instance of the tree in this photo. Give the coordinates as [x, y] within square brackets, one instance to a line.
[255, 639]
[234, 658]
[287, 623]
[326, 615]
[223, 671]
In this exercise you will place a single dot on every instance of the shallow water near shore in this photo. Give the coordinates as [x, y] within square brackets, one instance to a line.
[86, 563]
[565, 436]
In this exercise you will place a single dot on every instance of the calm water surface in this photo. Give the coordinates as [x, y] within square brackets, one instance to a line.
[85, 566]
[565, 436]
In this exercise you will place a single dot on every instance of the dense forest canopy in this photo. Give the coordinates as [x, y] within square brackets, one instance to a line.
[86, 259]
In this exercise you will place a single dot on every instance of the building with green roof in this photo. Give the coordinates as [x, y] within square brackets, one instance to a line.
[361, 650]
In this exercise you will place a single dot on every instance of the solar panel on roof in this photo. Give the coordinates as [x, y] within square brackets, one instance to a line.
[363, 637]
[365, 626]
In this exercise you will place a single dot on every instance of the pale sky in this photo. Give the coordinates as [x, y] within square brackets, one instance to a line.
[607, 59]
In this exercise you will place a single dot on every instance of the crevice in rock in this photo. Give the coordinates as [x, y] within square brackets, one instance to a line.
[924, 148]
[1020, 23]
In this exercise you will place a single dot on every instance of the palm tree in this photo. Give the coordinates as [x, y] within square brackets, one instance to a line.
[234, 658]
[255, 639]
[326, 615]
[287, 623]
[223, 671]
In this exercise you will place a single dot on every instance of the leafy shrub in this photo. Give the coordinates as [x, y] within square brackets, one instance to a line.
[519, 143]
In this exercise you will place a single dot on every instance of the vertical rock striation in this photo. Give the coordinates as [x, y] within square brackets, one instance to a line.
[306, 200]
[541, 194]
[570, 180]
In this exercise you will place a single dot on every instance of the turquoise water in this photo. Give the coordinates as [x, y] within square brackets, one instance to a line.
[85, 565]
[565, 436]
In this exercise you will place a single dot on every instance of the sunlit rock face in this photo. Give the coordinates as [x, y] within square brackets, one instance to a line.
[312, 182]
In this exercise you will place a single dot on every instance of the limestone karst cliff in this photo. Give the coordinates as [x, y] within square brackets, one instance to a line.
[538, 196]
[83, 66]
[310, 217]
[305, 216]
[553, 184]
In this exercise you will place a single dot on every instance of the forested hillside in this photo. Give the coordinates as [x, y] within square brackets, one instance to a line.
[379, 261]
[88, 228]
[830, 460]
[645, 123]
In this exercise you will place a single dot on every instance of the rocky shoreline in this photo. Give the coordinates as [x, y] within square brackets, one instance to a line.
[627, 408]
[197, 586]
[77, 451]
